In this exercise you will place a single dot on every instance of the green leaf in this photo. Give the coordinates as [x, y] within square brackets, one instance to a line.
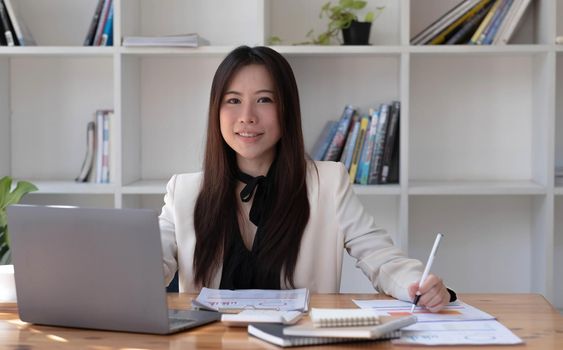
[324, 39]
[3, 220]
[5, 185]
[358, 5]
[4, 245]
[369, 17]
[22, 188]
[274, 40]
[8, 198]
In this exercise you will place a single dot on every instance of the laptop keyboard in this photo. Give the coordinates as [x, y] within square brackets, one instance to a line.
[184, 319]
[179, 323]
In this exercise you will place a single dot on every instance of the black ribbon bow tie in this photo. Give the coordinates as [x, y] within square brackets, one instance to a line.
[256, 186]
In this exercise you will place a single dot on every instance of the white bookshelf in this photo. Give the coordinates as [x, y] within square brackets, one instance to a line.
[481, 127]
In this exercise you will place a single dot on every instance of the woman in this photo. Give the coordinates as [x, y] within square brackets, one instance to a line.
[261, 215]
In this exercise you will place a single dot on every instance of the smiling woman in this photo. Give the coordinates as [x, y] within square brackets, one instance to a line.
[262, 215]
[255, 152]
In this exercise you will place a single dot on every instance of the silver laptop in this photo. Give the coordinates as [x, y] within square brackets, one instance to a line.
[93, 268]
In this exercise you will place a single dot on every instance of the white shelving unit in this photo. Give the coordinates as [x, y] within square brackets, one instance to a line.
[481, 127]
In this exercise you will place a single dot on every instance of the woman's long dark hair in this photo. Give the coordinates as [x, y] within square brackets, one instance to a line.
[215, 214]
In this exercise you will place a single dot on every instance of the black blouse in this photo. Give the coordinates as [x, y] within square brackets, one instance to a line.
[241, 268]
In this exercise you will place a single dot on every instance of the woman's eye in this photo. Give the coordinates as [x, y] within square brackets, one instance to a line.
[265, 100]
[233, 100]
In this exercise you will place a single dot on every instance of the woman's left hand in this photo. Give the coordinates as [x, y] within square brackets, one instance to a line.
[434, 294]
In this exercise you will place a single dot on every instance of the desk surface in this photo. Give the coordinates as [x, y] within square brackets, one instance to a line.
[530, 316]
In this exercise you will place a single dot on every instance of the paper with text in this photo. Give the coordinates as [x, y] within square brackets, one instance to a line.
[225, 300]
[456, 311]
[488, 332]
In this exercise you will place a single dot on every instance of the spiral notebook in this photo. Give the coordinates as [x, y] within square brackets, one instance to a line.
[386, 327]
[273, 333]
[344, 317]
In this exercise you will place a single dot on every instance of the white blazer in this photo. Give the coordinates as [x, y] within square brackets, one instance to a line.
[337, 221]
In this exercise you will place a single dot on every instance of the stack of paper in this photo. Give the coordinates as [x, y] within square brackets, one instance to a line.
[224, 300]
[457, 324]
[182, 40]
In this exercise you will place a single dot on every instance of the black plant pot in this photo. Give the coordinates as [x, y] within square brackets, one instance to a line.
[357, 33]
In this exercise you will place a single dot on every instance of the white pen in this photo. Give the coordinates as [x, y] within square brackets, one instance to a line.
[427, 268]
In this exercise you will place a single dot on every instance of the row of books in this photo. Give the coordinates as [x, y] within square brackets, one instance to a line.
[13, 30]
[100, 32]
[368, 145]
[97, 165]
[475, 22]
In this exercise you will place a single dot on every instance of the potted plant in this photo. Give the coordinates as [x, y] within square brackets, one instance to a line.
[343, 17]
[8, 197]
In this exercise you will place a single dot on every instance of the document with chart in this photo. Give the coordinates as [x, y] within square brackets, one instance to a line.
[488, 332]
[224, 300]
[456, 311]
[457, 323]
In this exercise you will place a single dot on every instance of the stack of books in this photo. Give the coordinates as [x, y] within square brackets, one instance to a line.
[96, 166]
[180, 40]
[475, 22]
[100, 32]
[13, 31]
[333, 326]
[368, 145]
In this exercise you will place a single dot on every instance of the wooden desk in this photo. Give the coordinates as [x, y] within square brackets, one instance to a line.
[530, 316]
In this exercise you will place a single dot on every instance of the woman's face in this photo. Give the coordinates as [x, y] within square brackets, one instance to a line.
[249, 119]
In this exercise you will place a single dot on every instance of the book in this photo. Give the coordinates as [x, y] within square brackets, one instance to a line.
[337, 144]
[2, 37]
[98, 160]
[321, 145]
[88, 41]
[360, 142]
[22, 33]
[273, 333]
[463, 35]
[8, 32]
[496, 22]
[343, 317]
[377, 155]
[442, 22]
[101, 23]
[392, 133]
[485, 26]
[348, 152]
[388, 327]
[89, 157]
[113, 142]
[108, 29]
[179, 40]
[507, 19]
[105, 147]
[475, 39]
[444, 35]
[365, 159]
[394, 166]
[514, 22]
